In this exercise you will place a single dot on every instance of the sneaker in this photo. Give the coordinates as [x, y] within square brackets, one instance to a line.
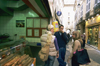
[67, 64]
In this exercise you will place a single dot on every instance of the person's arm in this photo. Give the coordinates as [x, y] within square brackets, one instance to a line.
[74, 49]
[64, 36]
[56, 44]
[57, 48]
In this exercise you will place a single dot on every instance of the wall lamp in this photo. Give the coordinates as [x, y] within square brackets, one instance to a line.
[97, 15]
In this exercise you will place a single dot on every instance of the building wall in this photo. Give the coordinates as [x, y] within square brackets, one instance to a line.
[91, 6]
[84, 9]
[66, 10]
[8, 24]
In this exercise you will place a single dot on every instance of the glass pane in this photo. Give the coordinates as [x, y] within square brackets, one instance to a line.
[36, 32]
[86, 7]
[36, 23]
[98, 1]
[89, 5]
[44, 23]
[29, 23]
[68, 14]
[29, 32]
[43, 31]
[87, 1]
[95, 1]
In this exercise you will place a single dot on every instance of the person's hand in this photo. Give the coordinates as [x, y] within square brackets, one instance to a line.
[68, 60]
[62, 31]
[57, 56]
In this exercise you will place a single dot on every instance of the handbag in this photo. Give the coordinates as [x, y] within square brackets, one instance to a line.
[82, 56]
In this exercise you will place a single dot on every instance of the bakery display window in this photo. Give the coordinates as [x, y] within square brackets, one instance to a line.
[17, 54]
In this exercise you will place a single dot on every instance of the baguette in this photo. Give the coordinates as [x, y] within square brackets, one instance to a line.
[21, 58]
[20, 64]
[12, 61]
[28, 62]
[25, 61]
[25, 57]
[3, 60]
[16, 62]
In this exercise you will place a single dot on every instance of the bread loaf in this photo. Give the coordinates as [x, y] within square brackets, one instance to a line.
[12, 61]
[19, 62]
[5, 59]
[16, 62]
[28, 62]
[25, 57]
[25, 61]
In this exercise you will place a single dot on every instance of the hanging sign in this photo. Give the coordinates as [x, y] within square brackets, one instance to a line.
[59, 13]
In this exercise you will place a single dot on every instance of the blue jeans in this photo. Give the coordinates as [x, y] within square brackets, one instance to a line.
[62, 52]
[50, 61]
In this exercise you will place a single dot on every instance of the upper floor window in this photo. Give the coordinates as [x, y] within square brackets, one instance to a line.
[68, 18]
[96, 2]
[68, 23]
[68, 14]
[75, 15]
[81, 11]
[88, 6]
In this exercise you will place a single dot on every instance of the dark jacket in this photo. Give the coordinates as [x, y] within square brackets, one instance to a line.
[61, 39]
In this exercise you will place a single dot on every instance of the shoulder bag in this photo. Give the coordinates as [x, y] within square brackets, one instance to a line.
[82, 56]
[44, 52]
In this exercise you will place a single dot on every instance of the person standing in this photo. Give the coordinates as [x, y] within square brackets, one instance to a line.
[62, 41]
[76, 46]
[84, 39]
[54, 49]
[68, 35]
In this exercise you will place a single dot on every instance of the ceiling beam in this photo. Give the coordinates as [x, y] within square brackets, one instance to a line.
[31, 6]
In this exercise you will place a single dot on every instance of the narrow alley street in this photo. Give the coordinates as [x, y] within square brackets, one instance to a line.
[93, 54]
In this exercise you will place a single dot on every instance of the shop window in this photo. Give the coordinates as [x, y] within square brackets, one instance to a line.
[35, 27]
[93, 35]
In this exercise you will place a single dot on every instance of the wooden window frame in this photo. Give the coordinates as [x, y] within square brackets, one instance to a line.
[40, 29]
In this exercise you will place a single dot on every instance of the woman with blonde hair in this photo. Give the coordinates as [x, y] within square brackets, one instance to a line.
[76, 46]
[53, 45]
